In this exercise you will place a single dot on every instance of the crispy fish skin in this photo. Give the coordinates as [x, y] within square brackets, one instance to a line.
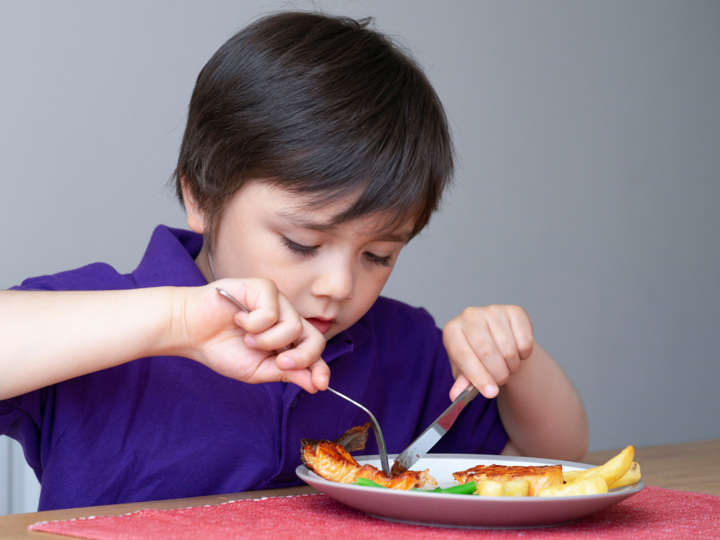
[406, 480]
[332, 461]
[538, 476]
[329, 460]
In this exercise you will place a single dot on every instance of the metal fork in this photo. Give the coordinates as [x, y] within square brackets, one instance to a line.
[373, 422]
[376, 430]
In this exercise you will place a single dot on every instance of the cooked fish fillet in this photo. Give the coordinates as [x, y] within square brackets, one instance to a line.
[538, 476]
[332, 461]
[329, 460]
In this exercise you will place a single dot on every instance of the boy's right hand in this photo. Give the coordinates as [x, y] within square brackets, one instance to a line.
[248, 347]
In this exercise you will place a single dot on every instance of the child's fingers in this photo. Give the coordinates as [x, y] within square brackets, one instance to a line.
[320, 374]
[301, 377]
[262, 300]
[257, 302]
[305, 351]
[267, 371]
[478, 333]
[461, 383]
[522, 329]
[503, 336]
[463, 355]
[289, 328]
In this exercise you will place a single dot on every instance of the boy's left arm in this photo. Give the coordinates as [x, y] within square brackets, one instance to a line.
[493, 348]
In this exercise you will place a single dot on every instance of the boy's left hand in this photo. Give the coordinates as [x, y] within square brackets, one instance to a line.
[486, 346]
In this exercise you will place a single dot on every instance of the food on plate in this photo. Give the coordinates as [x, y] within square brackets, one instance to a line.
[619, 471]
[537, 477]
[590, 486]
[511, 488]
[490, 488]
[462, 489]
[631, 477]
[612, 471]
[550, 480]
[332, 461]
[367, 483]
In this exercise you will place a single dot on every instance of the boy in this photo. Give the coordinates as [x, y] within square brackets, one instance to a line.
[314, 151]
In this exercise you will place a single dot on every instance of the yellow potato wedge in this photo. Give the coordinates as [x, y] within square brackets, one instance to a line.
[512, 488]
[570, 476]
[490, 488]
[590, 486]
[516, 488]
[631, 477]
[612, 471]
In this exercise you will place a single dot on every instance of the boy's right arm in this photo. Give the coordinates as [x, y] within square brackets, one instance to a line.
[51, 336]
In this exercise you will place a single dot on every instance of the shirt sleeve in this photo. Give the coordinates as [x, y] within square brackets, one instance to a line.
[21, 419]
[30, 418]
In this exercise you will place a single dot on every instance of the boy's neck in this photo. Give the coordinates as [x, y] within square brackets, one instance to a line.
[203, 262]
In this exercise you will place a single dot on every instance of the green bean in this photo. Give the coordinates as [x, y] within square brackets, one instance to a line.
[462, 489]
[367, 483]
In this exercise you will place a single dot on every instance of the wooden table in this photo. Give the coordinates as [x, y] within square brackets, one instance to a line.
[691, 466]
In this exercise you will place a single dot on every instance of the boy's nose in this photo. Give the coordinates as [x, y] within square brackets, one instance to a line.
[335, 282]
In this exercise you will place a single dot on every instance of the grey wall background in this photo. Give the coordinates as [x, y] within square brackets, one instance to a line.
[588, 191]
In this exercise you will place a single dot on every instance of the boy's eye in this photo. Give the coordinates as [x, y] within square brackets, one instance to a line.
[381, 261]
[299, 248]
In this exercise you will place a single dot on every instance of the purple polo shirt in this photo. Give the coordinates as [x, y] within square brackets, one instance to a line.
[169, 427]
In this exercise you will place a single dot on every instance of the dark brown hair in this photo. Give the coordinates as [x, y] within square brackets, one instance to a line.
[322, 106]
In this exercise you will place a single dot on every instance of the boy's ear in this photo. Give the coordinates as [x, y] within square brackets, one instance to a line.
[195, 214]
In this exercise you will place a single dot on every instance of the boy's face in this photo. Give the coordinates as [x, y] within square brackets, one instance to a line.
[332, 275]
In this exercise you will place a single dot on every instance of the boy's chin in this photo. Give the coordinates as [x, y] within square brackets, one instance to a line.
[331, 334]
[334, 331]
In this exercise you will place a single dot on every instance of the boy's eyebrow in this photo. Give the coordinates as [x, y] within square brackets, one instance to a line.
[394, 237]
[305, 223]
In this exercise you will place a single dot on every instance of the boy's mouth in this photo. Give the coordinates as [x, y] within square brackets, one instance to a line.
[321, 325]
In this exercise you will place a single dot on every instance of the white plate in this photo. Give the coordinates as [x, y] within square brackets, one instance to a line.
[466, 510]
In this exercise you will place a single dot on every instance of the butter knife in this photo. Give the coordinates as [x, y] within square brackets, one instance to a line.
[429, 438]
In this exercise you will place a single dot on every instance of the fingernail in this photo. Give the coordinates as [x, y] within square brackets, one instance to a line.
[490, 390]
[286, 363]
[249, 341]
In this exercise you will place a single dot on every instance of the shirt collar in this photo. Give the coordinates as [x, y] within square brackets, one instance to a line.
[346, 341]
[169, 260]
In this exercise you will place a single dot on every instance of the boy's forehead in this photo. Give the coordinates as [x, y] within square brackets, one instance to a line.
[321, 214]
[382, 225]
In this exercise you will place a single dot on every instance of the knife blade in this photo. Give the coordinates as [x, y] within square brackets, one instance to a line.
[429, 438]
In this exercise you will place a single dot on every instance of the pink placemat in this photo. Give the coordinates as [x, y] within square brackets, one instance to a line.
[653, 513]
